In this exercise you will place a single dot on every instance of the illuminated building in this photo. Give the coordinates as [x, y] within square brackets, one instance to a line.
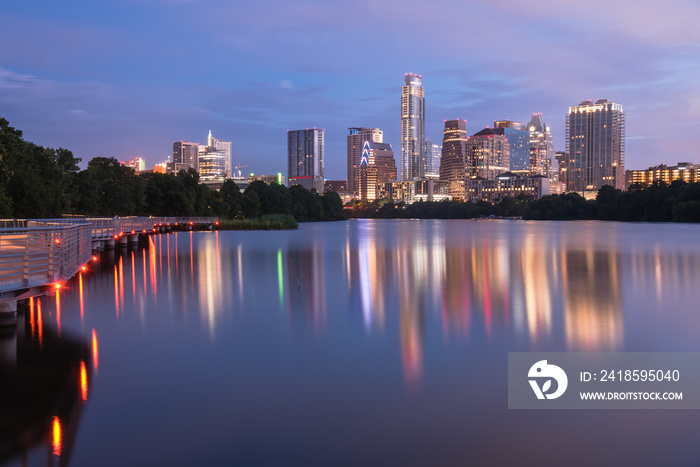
[219, 145]
[488, 154]
[433, 154]
[377, 165]
[454, 153]
[519, 141]
[414, 190]
[541, 146]
[160, 168]
[136, 163]
[595, 141]
[185, 156]
[356, 140]
[413, 162]
[338, 186]
[685, 171]
[562, 158]
[507, 184]
[305, 158]
[277, 178]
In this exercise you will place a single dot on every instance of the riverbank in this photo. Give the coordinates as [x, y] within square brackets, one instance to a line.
[266, 222]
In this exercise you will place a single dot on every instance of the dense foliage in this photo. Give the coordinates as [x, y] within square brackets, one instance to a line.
[37, 182]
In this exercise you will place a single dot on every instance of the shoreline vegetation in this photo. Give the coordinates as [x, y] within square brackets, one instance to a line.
[42, 183]
[659, 202]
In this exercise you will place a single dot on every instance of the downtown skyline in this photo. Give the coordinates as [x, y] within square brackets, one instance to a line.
[122, 79]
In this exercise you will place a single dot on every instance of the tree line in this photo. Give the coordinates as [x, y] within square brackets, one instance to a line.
[38, 182]
[659, 202]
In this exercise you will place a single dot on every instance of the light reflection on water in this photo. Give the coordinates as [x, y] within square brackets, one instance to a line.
[379, 339]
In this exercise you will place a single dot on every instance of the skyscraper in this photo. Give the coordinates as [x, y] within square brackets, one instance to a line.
[305, 158]
[595, 142]
[185, 156]
[377, 165]
[454, 152]
[488, 154]
[433, 154]
[541, 146]
[224, 147]
[519, 141]
[356, 140]
[412, 128]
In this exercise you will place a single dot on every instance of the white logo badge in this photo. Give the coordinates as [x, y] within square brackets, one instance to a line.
[541, 370]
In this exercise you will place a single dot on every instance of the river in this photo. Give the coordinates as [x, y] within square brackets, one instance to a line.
[366, 342]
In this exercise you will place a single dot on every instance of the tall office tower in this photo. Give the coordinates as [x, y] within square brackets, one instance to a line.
[224, 147]
[562, 158]
[541, 146]
[185, 156]
[519, 140]
[595, 141]
[433, 154]
[305, 158]
[377, 165]
[212, 164]
[356, 140]
[488, 154]
[454, 157]
[412, 128]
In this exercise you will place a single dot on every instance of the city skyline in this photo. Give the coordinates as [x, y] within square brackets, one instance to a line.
[119, 94]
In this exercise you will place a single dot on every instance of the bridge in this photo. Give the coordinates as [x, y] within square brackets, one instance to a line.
[39, 254]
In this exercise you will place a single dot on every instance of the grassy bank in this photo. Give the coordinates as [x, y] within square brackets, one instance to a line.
[267, 222]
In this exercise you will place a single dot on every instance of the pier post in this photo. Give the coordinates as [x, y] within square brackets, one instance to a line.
[133, 240]
[109, 244]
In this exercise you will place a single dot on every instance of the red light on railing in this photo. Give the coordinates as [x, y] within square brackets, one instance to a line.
[217, 222]
[94, 258]
[58, 240]
[133, 232]
[154, 229]
[84, 268]
[191, 223]
[116, 236]
[57, 286]
[168, 224]
[144, 230]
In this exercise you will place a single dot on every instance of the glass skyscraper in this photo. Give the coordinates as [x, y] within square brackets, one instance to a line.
[305, 158]
[413, 163]
[541, 146]
[356, 140]
[595, 142]
[453, 168]
[519, 141]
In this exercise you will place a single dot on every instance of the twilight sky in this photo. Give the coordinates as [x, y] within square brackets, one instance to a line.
[127, 78]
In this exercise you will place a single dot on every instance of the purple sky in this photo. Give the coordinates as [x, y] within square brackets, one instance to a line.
[127, 78]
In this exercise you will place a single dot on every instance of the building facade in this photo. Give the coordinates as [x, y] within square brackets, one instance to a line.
[507, 184]
[136, 163]
[413, 163]
[377, 165]
[519, 142]
[356, 140]
[223, 147]
[686, 171]
[453, 165]
[488, 154]
[541, 146]
[433, 154]
[595, 142]
[426, 189]
[305, 158]
[185, 156]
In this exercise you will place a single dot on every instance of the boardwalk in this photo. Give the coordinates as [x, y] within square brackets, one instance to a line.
[37, 254]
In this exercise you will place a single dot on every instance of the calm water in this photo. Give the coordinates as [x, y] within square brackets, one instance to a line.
[361, 343]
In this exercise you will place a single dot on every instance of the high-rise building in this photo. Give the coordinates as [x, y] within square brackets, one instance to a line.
[595, 141]
[541, 146]
[356, 140]
[305, 158]
[453, 165]
[185, 156]
[223, 147]
[377, 165]
[686, 171]
[433, 154]
[519, 141]
[413, 162]
[488, 154]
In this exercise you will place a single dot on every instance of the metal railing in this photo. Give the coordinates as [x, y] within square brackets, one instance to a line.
[38, 253]
[108, 227]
